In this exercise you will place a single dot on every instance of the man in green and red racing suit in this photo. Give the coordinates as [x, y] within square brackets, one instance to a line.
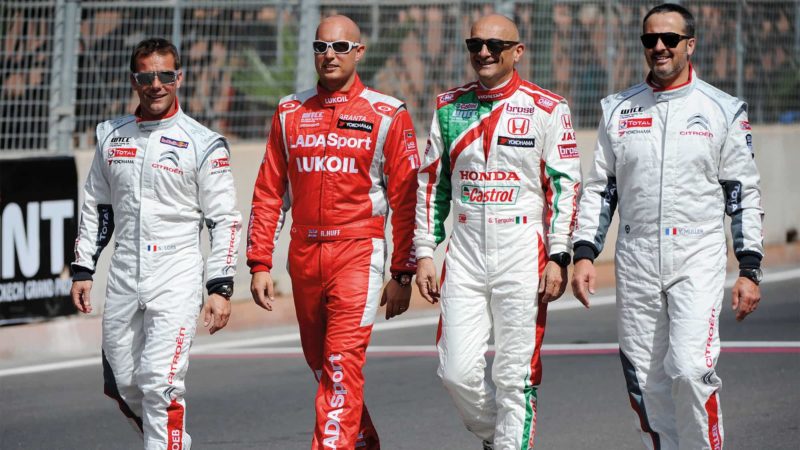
[503, 151]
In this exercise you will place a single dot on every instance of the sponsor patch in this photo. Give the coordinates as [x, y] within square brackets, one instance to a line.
[410, 140]
[311, 119]
[174, 142]
[545, 103]
[516, 142]
[568, 151]
[568, 136]
[354, 125]
[385, 109]
[220, 162]
[745, 125]
[121, 141]
[520, 110]
[635, 126]
[335, 100]
[518, 126]
[566, 120]
[489, 195]
[462, 218]
[290, 105]
[630, 112]
[122, 152]
[749, 139]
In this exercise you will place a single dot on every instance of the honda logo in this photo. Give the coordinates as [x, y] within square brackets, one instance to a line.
[519, 125]
[566, 120]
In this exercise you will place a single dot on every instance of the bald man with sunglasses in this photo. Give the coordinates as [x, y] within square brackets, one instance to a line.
[675, 154]
[340, 155]
[502, 154]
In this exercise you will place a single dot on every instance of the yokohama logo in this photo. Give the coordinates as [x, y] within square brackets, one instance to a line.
[516, 142]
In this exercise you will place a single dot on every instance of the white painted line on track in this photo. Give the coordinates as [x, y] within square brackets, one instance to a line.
[568, 302]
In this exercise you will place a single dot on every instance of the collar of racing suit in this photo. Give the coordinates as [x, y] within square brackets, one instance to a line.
[164, 122]
[499, 93]
[333, 98]
[666, 94]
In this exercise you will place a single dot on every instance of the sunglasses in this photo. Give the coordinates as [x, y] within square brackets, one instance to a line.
[321, 47]
[671, 40]
[148, 78]
[475, 45]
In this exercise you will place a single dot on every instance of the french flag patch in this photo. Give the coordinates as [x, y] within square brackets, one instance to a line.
[670, 231]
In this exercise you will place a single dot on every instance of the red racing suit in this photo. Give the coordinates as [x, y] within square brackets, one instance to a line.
[340, 160]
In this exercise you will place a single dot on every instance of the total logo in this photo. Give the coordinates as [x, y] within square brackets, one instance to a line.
[326, 164]
[331, 140]
[121, 155]
[635, 126]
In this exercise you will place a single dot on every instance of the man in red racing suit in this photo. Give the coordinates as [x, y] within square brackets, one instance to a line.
[340, 155]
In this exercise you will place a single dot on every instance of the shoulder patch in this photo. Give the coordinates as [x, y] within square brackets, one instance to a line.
[289, 106]
[450, 96]
[544, 102]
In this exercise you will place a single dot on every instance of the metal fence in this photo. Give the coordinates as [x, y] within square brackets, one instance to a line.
[64, 63]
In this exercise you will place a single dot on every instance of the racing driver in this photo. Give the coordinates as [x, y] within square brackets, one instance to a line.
[503, 151]
[675, 154]
[340, 155]
[157, 177]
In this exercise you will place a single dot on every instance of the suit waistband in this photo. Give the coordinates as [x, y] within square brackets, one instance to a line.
[367, 228]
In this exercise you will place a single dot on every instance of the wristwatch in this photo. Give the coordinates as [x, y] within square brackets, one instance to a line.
[224, 289]
[753, 275]
[561, 258]
[404, 278]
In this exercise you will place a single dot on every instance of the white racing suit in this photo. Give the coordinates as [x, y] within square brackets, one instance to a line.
[675, 161]
[507, 161]
[154, 184]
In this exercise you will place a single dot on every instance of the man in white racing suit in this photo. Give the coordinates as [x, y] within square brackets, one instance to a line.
[675, 154]
[502, 152]
[157, 177]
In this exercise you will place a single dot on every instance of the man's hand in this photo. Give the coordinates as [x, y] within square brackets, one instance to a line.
[216, 311]
[583, 279]
[80, 295]
[426, 280]
[262, 289]
[396, 298]
[746, 296]
[553, 282]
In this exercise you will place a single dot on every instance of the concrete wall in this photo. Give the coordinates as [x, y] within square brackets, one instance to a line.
[777, 155]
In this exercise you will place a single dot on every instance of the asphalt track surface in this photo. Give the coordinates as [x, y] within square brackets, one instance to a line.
[252, 390]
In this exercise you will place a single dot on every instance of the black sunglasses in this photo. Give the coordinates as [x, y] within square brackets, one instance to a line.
[148, 78]
[321, 47]
[671, 40]
[475, 45]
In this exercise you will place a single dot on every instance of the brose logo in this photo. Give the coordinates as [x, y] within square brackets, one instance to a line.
[331, 140]
[489, 195]
[568, 151]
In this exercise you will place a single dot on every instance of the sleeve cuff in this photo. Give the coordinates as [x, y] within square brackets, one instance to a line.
[211, 285]
[259, 268]
[423, 252]
[583, 250]
[80, 273]
[749, 260]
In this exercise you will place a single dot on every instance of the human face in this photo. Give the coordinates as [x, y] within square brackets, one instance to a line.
[336, 70]
[669, 65]
[494, 67]
[156, 100]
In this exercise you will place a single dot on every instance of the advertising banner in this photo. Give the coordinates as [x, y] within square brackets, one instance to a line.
[38, 225]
